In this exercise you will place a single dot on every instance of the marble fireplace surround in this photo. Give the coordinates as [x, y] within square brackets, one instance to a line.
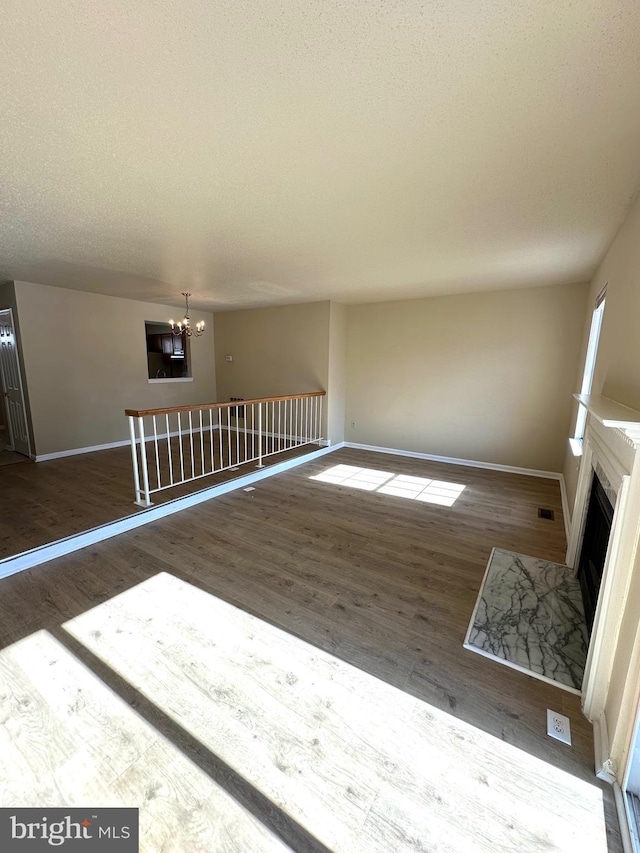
[611, 448]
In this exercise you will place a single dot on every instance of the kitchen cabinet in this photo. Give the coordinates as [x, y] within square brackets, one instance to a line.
[168, 344]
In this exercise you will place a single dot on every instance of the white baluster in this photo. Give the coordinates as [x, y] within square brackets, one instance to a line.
[201, 445]
[260, 465]
[237, 437]
[193, 461]
[134, 459]
[143, 459]
[166, 417]
[244, 421]
[181, 449]
[155, 441]
[211, 439]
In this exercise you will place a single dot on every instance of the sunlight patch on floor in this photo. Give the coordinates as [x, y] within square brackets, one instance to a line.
[358, 478]
[359, 764]
[438, 492]
[66, 739]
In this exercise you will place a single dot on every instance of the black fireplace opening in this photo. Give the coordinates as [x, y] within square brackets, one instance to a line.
[597, 529]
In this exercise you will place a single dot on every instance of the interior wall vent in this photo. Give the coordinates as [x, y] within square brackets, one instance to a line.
[543, 512]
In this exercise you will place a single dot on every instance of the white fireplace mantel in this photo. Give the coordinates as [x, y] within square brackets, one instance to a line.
[612, 414]
[611, 448]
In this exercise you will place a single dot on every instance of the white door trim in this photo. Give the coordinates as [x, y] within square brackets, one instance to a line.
[13, 391]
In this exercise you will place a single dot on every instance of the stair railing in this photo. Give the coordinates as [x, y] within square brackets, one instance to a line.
[179, 444]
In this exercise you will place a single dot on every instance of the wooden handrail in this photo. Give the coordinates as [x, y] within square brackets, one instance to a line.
[143, 413]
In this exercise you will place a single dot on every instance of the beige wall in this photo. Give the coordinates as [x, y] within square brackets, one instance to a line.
[337, 386]
[486, 376]
[283, 350]
[617, 375]
[85, 362]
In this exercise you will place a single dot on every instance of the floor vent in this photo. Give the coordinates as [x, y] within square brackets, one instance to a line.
[546, 513]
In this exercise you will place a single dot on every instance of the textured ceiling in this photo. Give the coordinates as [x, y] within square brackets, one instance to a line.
[257, 152]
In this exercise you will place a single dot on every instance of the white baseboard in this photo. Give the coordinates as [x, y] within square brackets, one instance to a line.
[77, 451]
[450, 460]
[60, 454]
[53, 550]
[283, 436]
[565, 507]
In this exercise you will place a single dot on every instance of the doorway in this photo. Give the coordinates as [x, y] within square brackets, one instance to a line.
[16, 433]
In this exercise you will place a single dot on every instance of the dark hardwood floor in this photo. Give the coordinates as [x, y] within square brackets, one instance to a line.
[41, 502]
[378, 581]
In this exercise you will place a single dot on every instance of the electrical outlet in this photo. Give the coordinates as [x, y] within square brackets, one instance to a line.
[558, 726]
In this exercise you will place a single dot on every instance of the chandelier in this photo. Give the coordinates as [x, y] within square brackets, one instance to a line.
[184, 326]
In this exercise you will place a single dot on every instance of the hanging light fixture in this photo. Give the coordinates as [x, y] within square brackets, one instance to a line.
[184, 327]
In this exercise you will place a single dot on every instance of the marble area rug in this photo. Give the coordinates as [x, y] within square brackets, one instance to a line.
[529, 615]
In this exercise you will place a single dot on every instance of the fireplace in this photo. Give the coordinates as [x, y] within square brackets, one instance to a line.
[610, 463]
[593, 553]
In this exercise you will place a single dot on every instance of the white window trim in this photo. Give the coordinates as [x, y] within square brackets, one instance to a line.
[589, 369]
